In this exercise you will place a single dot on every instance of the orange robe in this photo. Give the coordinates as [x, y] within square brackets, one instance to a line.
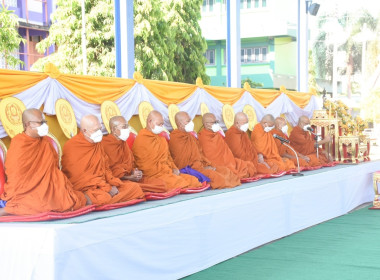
[86, 166]
[122, 162]
[34, 182]
[265, 144]
[153, 158]
[186, 151]
[242, 148]
[283, 149]
[217, 151]
[304, 143]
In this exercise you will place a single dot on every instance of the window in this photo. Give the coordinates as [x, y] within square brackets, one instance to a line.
[208, 5]
[210, 56]
[248, 4]
[253, 55]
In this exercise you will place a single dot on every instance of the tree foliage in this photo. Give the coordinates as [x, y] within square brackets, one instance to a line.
[350, 25]
[10, 40]
[168, 41]
[182, 17]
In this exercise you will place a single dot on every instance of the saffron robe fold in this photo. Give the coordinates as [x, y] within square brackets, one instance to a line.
[153, 158]
[186, 151]
[242, 147]
[304, 143]
[217, 151]
[86, 166]
[34, 182]
[122, 163]
[265, 144]
[283, 149]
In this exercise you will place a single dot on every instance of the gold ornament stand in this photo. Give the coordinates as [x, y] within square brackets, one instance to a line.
[329, 126]
[346, 143]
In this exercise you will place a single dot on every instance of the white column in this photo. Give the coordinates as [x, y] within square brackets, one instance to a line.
[233, 44]
[302, 48]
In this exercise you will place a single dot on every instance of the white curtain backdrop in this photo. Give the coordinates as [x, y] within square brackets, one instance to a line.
[48, 91]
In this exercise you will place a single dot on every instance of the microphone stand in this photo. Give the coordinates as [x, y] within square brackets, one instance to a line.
[298, 162]
[316, 141]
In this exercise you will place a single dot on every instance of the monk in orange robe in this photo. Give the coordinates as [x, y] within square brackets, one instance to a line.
[86, 165]
[186, 151]
[241, 146]
[281, 129]
[34, 182]
[121, 159]
[264, 143]
[217, 151]
[152, 156]
[304, 142]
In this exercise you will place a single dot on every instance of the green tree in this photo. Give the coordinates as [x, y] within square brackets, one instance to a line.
[10, 40]
[157, 39]
[251, 83]
[183, 18]
[65, 33]
[350, 25]
[154, 42]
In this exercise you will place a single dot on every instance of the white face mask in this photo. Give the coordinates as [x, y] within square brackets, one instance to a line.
[124, 134]
[268, 128]
[284, 129]
[189, 127]
[42, 130]
[244, 127]
[306, 127]
[97, 136]
[215, 127]
[158, 129]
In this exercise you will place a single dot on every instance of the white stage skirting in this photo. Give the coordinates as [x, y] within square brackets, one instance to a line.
[185, 234]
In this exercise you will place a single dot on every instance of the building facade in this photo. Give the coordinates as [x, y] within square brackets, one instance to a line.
[268, 31]
[34, 23]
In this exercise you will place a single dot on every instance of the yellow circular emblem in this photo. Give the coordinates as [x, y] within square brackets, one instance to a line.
[66, 117]
[204, 109]
[109, 109]
[173, 110]
[228, 115]
[251, 114]
[144, 109]
[11, 110]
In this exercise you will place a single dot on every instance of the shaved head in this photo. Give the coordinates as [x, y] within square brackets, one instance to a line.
[208, 120]
[267, 121]
[181, 120]
[89, 122]
[31, 120]
[279, 122]
[31, 114]
[116, 121]
[154, 118]
[240, 118]
[302, 121]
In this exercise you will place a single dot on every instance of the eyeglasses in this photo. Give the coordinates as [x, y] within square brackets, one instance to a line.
[123, 126]
[41, 122]
[215, 122]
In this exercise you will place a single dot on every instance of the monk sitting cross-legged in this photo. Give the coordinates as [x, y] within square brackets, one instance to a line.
[242, 147]
[186, 151]
[86, 165]
[34, 182]
[281, 129]
[217, 151]
[304, 142]
[264, 143]
[153, 158]
[121, 160]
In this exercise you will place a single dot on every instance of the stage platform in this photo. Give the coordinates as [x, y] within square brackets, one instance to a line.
[172, 238]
